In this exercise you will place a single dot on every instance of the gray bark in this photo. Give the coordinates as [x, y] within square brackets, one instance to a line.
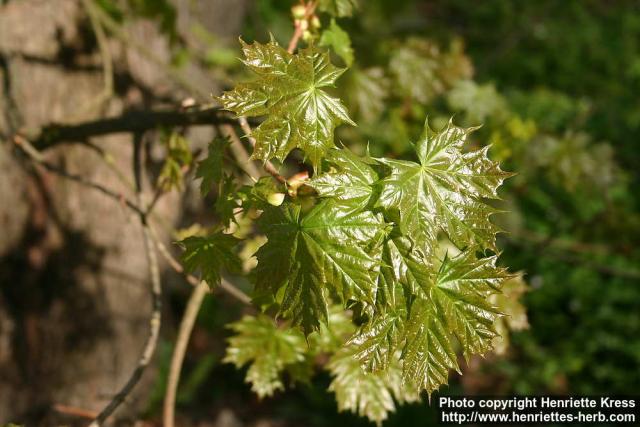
[74, 293]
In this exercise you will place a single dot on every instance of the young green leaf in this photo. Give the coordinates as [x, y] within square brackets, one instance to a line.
[351, 183]
[210, 168]
[210, 255]
[178, 157]
[290, 91]
[428, 354]
[453, 302]
[227, 200]
[338, 40]
[368, 394]
[405, 269]
[339, 8]
[269, 349]
[325, 252]
[462, 289]
[444, 191]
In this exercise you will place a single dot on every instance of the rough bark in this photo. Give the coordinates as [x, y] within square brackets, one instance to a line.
[74, 298]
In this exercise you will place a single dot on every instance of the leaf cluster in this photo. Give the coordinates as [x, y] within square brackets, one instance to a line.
[365, 237]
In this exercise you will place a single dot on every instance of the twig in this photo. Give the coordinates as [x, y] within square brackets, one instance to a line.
[293, 43]
[38, 158]
[156, 300]
[152, 339]
[73, 411]
[182, 340]
[133, 121]
[118, 32]
[240, 153]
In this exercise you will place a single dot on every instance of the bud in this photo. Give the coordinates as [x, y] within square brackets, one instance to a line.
[298, 11]
[315, 22]
[306, 35]
[304, 25]
[275, 199]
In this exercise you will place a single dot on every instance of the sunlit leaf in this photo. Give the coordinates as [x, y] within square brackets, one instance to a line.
[314, 255]
[350, 183]
[291, 91]
[444, 190]
[268, 349]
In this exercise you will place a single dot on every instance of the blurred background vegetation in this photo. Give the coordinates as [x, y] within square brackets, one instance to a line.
[555, 86]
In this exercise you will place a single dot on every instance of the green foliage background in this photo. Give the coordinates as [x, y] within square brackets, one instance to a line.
[556, 86]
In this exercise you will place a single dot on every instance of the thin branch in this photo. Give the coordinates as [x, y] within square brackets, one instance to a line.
[133, 121]
[74, 411]
[156, 301]
[152, 339]
[182, 340]
[240, 153]
[38, 158]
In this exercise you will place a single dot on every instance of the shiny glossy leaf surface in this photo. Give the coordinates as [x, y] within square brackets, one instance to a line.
[350, 182]
[444, 190]
[325, 252]
[290, 90]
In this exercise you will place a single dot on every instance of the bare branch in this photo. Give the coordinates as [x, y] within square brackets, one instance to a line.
[156, 300]
[107, 61]
[184, 332]
[152, 339]
[38, 158]
[133, 121]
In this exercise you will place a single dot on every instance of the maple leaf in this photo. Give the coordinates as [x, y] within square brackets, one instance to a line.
[338, 40]
[290, 91]
[444, 191]
[453, 302]
[366, 91]
[268, 349]
[351, 184]
[428, 354]
[404, 269]
[210, 168]
[369, 394]
[325, 252]
[209, 255]
[461, 292]
[339, 8]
